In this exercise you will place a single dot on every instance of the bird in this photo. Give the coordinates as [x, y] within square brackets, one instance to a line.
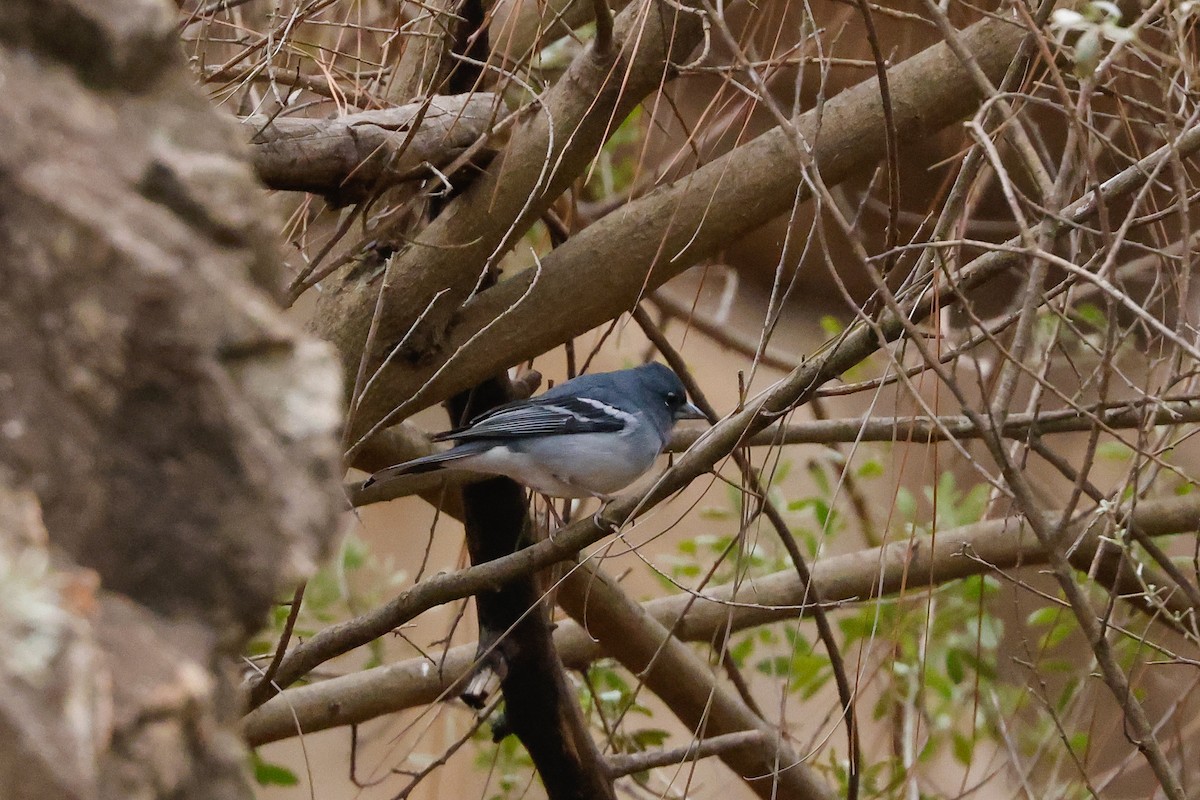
[591, 436]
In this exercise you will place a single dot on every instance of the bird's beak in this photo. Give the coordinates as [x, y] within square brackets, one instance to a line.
[689, 411]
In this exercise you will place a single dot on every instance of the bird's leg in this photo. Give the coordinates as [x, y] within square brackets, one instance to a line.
[553, 514]
[599, 520]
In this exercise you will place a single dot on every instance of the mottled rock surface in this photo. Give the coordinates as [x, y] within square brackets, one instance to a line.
[161, 424]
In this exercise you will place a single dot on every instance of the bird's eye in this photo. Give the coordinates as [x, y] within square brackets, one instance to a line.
[672, 398]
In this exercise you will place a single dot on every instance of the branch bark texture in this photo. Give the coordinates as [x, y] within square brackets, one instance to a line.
[348, 158]
[680, 678]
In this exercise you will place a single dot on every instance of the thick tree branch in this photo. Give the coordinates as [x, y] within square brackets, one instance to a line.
[858, 342]
[352, 156]
[899, 567]
[592, 277]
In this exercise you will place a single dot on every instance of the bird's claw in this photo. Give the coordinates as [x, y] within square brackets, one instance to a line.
[602, 522]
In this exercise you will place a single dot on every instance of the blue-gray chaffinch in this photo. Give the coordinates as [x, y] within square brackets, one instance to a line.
[588, 437]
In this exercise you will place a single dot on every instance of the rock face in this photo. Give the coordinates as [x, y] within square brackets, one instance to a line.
[162, 427]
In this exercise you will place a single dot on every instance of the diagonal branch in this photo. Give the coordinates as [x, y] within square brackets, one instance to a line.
[855, 344]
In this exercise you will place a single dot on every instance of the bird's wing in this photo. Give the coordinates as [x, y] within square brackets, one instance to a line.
[543, 416]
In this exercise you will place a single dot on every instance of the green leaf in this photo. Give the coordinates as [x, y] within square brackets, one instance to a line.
[857, 627]
[831, 325]
[982, 668]
[954, 665]
[1046, 615]
[775, 667]
[780, 472]
[1113, 451]
[268, 774]
[870, 468]
[354, 553]
[964, 748]
[1057, 633]
[973, 504]
[650, 737]
[906, 504]
[811, 687]
[817, 473]
[1092, 315]
[741, 650]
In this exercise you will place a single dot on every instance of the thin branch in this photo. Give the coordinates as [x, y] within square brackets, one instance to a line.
[627, 764]
[602, 45]
[784, 533]
[265, 687]
[638, 247]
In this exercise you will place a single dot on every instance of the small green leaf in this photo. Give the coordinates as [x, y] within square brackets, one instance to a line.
[857, 627]
[742, 650]
[268, 774]
[1092, 315]
[1046, 615]
[1113, 451]
[831, 325]
[964, 748]
[817, 473]
[1057, 633]
[650, 737]
[354, 553]
[954, 665]
[775, 667]
[869, 469]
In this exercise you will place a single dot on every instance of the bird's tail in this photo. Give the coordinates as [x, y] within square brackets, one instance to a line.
[428, 463]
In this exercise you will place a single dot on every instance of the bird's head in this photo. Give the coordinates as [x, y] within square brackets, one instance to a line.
[667, 396]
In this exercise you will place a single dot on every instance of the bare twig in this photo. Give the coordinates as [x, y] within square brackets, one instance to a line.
[265, 686]
[628, 764]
